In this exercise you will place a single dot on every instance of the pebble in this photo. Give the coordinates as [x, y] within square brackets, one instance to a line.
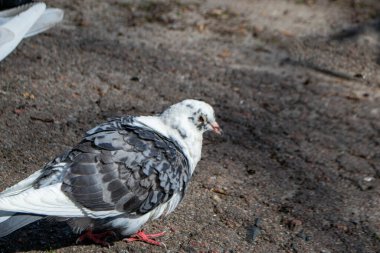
[216, 198]
[294, 224]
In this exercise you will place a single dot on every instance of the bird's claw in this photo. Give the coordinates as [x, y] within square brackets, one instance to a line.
[148, 238]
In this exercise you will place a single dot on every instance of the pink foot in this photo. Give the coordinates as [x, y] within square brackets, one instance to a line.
[148, 238]
[96, 238]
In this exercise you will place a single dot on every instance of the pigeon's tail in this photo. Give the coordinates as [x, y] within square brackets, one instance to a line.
[21, 186]
[10, 222]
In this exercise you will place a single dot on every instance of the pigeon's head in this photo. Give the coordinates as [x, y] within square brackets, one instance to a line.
[198, 114]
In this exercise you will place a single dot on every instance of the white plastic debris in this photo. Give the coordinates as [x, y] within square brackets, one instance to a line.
[369, 179]
[25, 21]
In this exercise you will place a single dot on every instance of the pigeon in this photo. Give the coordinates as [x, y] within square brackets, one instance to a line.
[122, 174]
[24, 21]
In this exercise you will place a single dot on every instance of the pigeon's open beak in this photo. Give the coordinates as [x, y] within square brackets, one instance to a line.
[216, 128]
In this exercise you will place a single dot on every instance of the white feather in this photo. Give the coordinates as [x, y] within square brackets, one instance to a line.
[19, 25]
[21, 186]
[191, 146]
[173, 203]
[51, 201]
[128, 226]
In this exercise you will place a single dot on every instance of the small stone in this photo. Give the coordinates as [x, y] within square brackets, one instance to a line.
[294, 224]
[28, 95]
[43, 117]
[216, 198]
[219, 190]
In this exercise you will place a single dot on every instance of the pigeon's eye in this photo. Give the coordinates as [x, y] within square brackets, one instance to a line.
[201, 119]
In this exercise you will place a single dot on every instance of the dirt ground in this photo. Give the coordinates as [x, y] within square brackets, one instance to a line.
[296, 88]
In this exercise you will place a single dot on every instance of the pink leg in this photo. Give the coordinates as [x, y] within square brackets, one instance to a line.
[96, 238]
[148, 238]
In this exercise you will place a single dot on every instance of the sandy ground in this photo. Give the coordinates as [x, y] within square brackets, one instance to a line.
[296, 88]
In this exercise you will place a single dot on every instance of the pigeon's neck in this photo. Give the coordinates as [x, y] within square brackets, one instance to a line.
[183, 129]
[179, 130]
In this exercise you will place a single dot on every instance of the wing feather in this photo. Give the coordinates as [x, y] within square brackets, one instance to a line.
[135, 168]
[21, 186]
[118, 168]
[50, 201]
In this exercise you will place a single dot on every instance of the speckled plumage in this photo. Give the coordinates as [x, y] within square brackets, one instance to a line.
[123, 173]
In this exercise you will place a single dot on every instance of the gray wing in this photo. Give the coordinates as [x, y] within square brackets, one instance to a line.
[122, 167]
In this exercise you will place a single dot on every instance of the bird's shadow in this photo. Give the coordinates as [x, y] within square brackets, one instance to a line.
[43, 235]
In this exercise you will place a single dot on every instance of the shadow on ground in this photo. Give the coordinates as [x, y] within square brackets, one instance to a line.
[39, 236]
